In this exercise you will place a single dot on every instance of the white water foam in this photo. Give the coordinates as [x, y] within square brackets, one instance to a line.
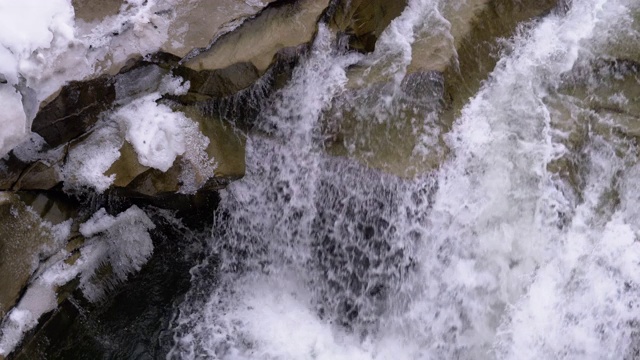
[489, 258]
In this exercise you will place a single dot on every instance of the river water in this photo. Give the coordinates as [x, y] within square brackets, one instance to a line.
[520, 244]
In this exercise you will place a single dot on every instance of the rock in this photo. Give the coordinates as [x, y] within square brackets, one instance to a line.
[477, 45]
[142, 78]
[594, 104]
[282, 24]
[243, 107]
[74, 110]
[127, 167]
[364, 20]
[390, 137]
[25, 240]
[188, 30]
[91, 10]
[52, 206]
[139, 305]
[226, 147]
[227, 144]
[10, 170]
[64, 129]
[220, 82]
[38, 176]
[404, 134]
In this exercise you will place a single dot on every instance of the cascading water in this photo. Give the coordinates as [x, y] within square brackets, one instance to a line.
[496, 254]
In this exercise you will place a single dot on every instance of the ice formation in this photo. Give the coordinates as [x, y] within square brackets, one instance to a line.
[121, 241]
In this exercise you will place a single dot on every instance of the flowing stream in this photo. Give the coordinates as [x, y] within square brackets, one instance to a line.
[520, 245]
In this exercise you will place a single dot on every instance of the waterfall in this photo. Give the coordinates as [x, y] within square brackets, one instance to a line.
[494, 254]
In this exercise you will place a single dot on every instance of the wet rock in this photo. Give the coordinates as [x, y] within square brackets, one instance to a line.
[142, 79]
[225, 147]
[364, 20]
[221, 82]
[133, 318]
[52, 206]
[39, 175]
[399, 127]
[392, 137]
[10, 170]
[127, 167]
[188, 31]
[74, 110]
[478, 44]
[68, 123]
[91, 10]
[595, 103]
[607, 86]
[243, 107]
[282, 24]
[76, 107]
[25, 240]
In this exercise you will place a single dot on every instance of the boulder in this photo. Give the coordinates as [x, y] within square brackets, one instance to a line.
[243, 107]
[67, 129]
[279, 25]
[89, 11]
[362, 21]
[399, 126]
[26, 239]
[74, 110]
[188, 31]
[390, 137]
[478, 45]
[595, 102]
[219, 83]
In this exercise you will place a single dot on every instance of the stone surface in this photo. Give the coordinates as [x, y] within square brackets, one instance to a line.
[74, 110]
[90, 10]
[404, 135]
[364, 20]
[227, 144]
[220, 82]
[243, 107]
[390, 137]
[478, 44]
[226, 147]
[595, 104]
[66, 122]
[198, 22]
[24, 241]
[281, 25]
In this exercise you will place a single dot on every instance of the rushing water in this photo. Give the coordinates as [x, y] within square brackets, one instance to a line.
[522, 244]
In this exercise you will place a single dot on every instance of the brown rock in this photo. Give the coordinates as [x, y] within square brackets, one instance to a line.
[188, 31]
[38, 176]
[90, 10]
[24, 238]
[280, 25]
[364, 20]
[477, 44]
[220, 82]
[74, 110]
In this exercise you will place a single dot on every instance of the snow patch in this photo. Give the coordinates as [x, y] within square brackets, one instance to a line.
[89, 160]
[12, 117]
[122, 241]
[155, 131]
[26, 28]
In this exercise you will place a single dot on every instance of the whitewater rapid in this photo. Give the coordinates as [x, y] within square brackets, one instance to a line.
[493, 255]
